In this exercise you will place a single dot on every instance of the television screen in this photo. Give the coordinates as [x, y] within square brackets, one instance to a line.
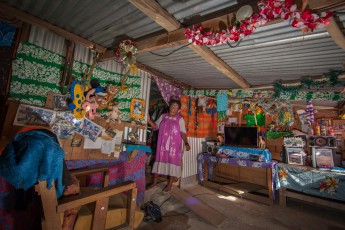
[241, 136]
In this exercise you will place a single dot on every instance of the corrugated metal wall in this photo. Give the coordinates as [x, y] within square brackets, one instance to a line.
[56, 44]
[189, 161]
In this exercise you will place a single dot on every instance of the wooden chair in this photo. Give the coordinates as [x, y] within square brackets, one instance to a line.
[53, 209]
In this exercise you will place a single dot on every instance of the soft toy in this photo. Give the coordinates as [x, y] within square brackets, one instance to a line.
[114, 113]
[78, 98]
[111, 92]
[90, 105]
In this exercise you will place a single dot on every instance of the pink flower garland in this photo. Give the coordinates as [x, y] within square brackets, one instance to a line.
[268, 10]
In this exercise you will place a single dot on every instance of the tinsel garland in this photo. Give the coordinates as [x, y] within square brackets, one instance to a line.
[274, 135]
[309, 84]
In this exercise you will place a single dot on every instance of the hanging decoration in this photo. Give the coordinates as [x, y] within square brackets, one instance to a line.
[330, 83]
[211, 108]
[310, 112]
[126, 53]
[222, 106]
[274, 135]
[268, 10]
[282, 108]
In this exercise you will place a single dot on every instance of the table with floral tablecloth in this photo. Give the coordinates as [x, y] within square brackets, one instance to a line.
[312, 181]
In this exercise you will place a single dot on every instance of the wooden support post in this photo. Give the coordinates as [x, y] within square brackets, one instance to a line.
[282, 197]
[49, 205]
[100, 214]
[131, 204]
[269, 184]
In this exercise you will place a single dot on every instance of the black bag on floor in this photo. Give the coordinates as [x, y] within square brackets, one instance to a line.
[152, 212]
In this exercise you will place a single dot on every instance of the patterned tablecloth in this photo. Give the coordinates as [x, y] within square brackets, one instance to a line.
[311, 181]
[120, 170]
[211, 160]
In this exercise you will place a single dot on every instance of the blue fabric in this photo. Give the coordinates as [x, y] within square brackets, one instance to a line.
[130, 148]
[32, 156]
[6, 33]
[311, 181]
[222, 102]
[244, 153]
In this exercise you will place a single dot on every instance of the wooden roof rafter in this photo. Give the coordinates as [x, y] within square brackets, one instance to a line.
[153, 10]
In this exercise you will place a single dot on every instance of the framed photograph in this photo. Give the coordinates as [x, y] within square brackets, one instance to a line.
[137, 110]
[30, 115]
[324, 158]
[295, 155]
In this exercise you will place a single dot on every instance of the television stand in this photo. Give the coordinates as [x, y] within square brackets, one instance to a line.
[248, 179]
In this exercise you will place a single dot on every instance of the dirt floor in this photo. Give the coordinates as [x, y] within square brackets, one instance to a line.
[244, 214]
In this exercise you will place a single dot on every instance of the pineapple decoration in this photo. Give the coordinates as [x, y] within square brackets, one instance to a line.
[126, 55]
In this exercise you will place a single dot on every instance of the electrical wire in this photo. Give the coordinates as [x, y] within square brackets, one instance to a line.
[166, 55]
[238, 43]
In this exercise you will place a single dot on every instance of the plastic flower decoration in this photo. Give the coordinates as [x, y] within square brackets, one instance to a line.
[126, 53]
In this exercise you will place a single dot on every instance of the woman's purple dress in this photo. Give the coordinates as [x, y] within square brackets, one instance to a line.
[169, 147]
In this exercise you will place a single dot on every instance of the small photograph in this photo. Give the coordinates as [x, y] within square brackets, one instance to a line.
[89, 129]
[60, 102]
[295, 156]
[30, 115]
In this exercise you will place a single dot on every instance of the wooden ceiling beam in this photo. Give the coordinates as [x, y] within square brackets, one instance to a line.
[152, 9]
[336, 33]
[158, 14]
[218, 63]
[27, 18]
[159, 74]
[216, 21]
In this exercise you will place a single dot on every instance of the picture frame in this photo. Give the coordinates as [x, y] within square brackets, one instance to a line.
[295, 155]
[324, 158]
[137, 108]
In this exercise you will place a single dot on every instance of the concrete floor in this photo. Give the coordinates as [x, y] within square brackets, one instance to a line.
[241, 213]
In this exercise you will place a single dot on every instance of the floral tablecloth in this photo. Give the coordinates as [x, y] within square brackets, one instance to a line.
[211, 160]
[311, 181]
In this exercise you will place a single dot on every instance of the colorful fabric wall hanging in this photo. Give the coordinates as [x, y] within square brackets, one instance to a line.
[167, 90]
[197, 124]
[37, 71]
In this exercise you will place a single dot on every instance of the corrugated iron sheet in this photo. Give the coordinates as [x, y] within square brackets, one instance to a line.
[281, 52]
[186, 66]
[106, 21]
[271, 53]
[189, 160]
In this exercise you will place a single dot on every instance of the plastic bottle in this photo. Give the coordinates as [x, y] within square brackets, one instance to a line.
[310, 130]
[317, 129]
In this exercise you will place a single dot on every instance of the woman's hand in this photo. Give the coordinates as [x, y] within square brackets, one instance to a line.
[187, 146]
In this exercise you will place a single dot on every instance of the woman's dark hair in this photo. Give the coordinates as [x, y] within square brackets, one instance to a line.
[174, 101]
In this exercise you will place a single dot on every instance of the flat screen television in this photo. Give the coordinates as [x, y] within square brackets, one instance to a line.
[241, 136]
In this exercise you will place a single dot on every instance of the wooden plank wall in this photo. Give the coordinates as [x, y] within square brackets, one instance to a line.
[72, 153]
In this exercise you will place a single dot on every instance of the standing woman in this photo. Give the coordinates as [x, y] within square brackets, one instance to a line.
[172, 131]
